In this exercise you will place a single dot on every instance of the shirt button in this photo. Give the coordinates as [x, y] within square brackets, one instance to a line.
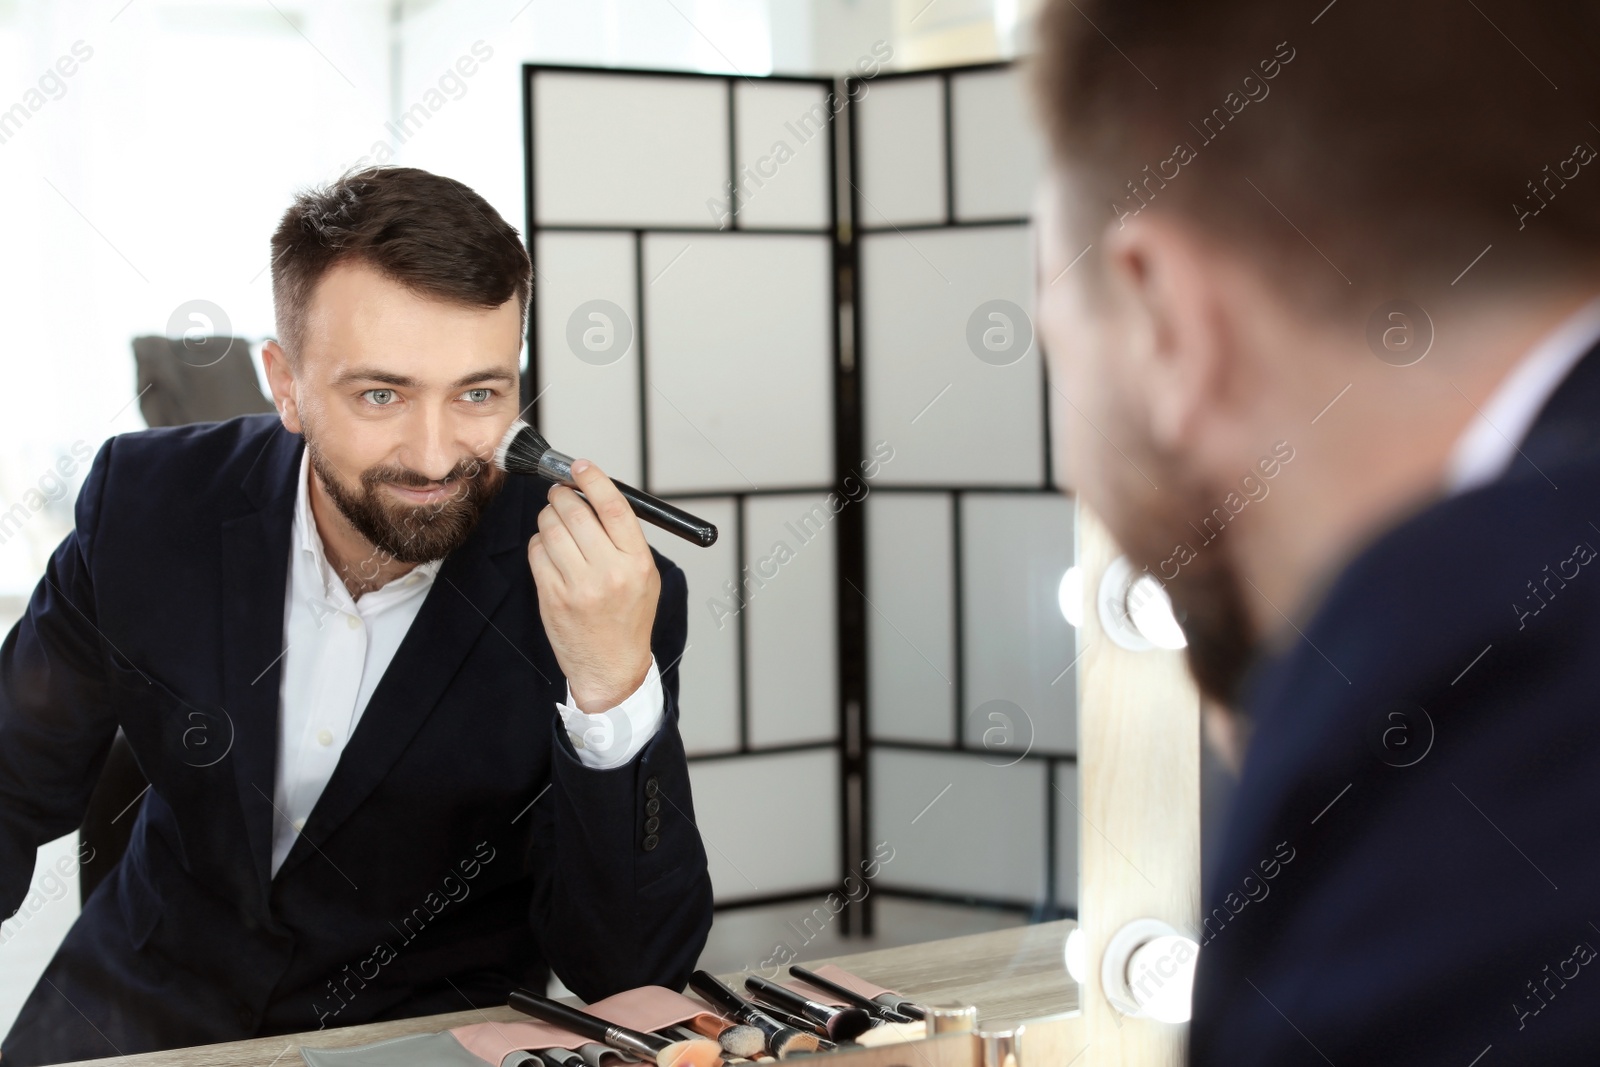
[324, 737]
[352, 621]
[651, 842]
[652, 824]
[652, 806]
[577, 739]
[651, 786]
[299, 825]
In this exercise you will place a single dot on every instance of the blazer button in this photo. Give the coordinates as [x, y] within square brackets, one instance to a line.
[650, 842]
[652, 824]
[247, 1017]
[651, 786]
[652, 806]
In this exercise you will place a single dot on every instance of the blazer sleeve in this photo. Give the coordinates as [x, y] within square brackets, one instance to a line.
[56, 721]
[624, 899]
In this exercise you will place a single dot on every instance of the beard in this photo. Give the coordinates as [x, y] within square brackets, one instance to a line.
[1151, 526]
[1207, 591]
[411, 533]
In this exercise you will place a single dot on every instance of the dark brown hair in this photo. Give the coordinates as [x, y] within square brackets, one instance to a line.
[1352, 148]
[430, 233]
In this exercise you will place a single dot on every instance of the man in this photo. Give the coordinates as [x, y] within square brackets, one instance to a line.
[1333, 350]
[410, 725]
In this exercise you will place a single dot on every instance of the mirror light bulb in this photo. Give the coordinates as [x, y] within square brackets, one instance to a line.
[1070, 596]
[1151, 613]
[1076, 964]
[1161, 977]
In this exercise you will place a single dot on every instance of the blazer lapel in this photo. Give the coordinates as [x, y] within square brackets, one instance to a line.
[255, 575]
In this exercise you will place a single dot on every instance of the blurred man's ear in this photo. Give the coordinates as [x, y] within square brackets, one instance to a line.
[1176, 322]
[280, 379]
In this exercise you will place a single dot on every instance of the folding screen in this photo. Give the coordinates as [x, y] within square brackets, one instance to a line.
[684, 335]
[971, 663]
[876, 655]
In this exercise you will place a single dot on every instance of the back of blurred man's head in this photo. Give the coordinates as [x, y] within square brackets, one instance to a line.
[1330, 226]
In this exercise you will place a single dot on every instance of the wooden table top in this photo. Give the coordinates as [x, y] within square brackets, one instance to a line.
[1011, 975]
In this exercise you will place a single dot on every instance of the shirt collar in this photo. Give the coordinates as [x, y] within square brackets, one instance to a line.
[309, 548]
[1486, 447]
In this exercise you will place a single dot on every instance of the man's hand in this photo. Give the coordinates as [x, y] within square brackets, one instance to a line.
[598, 588]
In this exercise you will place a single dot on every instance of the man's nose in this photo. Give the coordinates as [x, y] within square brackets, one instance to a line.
[435, 453]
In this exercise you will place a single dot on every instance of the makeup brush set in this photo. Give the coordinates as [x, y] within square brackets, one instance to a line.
[827, 1012]
[767, 1021]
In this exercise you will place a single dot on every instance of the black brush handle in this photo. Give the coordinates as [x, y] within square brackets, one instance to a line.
[557, 466]
[583, 1024]
[904, 1006]
[674, 520]
[718, 995]
[789, 1000]
[848, 995]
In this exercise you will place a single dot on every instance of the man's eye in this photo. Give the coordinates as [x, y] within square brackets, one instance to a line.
[379, 397]
[478, 396]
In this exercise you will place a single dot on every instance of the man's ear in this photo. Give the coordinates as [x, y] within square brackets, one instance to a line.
[1178, 331]
[280, 379]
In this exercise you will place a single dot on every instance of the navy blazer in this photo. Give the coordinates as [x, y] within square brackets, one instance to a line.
[1411, 871]
[459, 847]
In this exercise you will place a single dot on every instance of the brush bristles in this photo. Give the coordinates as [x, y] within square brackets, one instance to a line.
[742, 1040]
[697, 1053]
[794, 1042]
[520, 449]
[848, 1024]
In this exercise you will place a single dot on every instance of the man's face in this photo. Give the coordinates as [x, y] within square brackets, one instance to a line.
[1100, 339]
[402, 399]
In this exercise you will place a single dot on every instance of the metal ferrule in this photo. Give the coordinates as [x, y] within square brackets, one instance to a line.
[621, 1039]
[556, 466]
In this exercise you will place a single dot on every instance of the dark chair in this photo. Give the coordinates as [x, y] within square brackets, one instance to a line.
[179, 381]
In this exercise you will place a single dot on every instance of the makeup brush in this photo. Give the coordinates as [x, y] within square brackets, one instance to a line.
[782, 1041]
[524, 451]
[849, 996]
[657, 1050]
[739, 1035]
[842, 1024]
[805, 1026]
[737, 1039]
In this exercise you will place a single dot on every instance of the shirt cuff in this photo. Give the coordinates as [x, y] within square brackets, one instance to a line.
[612, 738]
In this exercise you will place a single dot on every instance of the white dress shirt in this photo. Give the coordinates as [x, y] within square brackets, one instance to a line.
[1490, 442]
[336, 649]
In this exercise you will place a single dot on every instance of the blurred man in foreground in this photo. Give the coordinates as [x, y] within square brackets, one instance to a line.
[1333, 349]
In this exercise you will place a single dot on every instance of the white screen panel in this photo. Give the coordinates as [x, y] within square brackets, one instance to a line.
[709, 670]
[739, 355]
[628, 150]
[746, 805]
[911, 617]
[960, 824]
[782, 134]
[1066, 801]
[996, 153]
[791, 626]
[900, 171]
[956, 411]
[589, 348]
[1015, 643]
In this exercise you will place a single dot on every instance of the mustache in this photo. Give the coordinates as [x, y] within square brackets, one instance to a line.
[465, 471]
